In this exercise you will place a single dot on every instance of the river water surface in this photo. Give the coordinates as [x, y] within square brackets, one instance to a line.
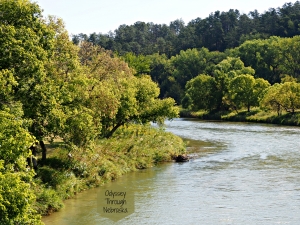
[241, 173]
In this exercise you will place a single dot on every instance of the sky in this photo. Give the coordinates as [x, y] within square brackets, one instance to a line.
[102, 16]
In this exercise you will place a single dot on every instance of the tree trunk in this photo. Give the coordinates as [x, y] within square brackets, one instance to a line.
[113, 130]
[33, 149]
[44, 150]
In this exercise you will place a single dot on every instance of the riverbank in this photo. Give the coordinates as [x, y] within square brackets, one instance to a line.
[255, 115]
[262, 163]
[131, 148]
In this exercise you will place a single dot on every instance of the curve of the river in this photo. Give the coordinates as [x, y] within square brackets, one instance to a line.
[242, 173]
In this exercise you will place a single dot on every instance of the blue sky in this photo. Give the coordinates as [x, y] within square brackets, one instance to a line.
[88, 16]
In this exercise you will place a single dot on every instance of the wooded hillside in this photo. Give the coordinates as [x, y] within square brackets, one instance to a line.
[218, 32]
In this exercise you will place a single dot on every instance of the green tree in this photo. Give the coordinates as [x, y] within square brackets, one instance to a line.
[259, 88]
[16, 196]
[224, 72]
[287, 78]
[139, 103]
[116, 96]
[189, 64]
[159, 67]
[140, 63]
[217, 32]
[29, 53]
[200, 93]
[16, 200]
[282, 96]
[245, 91]
[270, 100]
[263, 56]
[106, 83]
[67, 116]
[289, 96]
[161, 73]
[7, 83]
[289, 56]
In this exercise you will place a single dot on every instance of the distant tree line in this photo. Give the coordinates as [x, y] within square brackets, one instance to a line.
[218, 32]
[273, 60]
[200, 64]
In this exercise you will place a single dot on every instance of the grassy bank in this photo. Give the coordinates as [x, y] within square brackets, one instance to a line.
[255, 115]
[131, 148]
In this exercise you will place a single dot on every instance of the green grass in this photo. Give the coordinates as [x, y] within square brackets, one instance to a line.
[131, 148]
[255, 115]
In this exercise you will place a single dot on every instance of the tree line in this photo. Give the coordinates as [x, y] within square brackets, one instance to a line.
[245, 76]
[270, 61]
[175, 54]
[234, 87]
[217, 32]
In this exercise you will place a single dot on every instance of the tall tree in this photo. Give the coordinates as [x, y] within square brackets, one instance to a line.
[282, 96]
[139, 63]
[245, 91]
[189, 64]
[289, 96]
[270, 100]
[116, 96]
[263, 56]
[225, 71]
[289, 56]
[200, 93]
[25, 43]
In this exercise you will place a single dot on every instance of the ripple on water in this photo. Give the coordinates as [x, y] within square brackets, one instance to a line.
[243, 174]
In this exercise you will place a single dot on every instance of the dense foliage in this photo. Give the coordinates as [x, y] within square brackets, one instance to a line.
[89, 97]
[16, 194]
[176, 53]
[217, 32]
[264, 61]
[51, 88]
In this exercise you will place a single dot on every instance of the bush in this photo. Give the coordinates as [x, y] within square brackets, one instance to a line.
[47, 201]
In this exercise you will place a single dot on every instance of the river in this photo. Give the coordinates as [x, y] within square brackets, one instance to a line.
[241, 173]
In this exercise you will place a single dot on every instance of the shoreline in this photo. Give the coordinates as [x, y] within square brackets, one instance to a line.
[254, 116]
[115, 165]
[131, 149]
